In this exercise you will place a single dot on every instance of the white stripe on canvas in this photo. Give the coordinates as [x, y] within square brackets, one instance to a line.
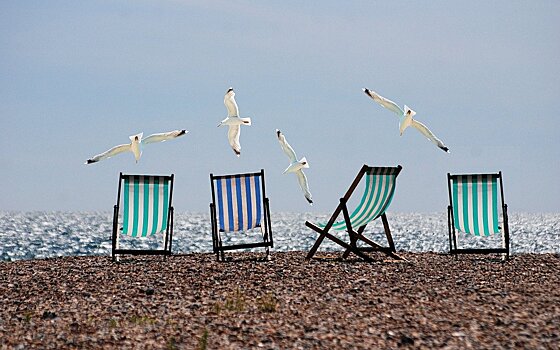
[130, 206]
[140, 213]
[225, 206]
[479, 203]
[459, 203]
[234, 205]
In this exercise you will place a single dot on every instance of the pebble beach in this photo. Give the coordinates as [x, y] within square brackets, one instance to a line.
[191, 301]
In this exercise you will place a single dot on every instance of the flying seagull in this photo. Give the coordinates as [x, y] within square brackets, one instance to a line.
[295, 165]
[135, 145]
[406, 118]
[233, 121]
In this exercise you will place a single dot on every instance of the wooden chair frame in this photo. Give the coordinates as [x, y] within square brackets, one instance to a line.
[453, 232]
[355, 234]
[168, 237]
[266, 228]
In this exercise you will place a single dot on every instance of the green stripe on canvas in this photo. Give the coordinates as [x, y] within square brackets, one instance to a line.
[485, 203]
[155, 227]
[146, 207]
[136, 200]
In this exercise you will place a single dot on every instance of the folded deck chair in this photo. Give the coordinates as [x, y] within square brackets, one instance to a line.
[474, 209]
[239, 204]
[146, 211]
[379, 188]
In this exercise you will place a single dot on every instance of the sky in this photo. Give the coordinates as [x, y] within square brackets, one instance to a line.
[78, 77]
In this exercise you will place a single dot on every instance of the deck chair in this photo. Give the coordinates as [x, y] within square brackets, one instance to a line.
[379, 188]
[146, 210]
[239, 204]
[474, 209]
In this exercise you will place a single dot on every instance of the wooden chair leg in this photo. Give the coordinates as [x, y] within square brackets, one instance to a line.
[388, 232]
[317, 242]
[353, 241]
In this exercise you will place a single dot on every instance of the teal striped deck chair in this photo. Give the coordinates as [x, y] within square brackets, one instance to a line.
[239, 208]
[146, 209]
[475, 202]
[379, 188]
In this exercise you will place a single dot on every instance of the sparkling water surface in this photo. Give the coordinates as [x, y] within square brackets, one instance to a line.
[38, 235]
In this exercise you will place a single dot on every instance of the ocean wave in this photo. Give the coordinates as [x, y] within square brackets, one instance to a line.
[39, 235]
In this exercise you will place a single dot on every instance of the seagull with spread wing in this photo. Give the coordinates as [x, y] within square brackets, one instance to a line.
[135, 145]
[406, 118]
[233, 121]
[296, 166]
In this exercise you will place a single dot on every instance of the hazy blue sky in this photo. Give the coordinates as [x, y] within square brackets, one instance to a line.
[78, 77]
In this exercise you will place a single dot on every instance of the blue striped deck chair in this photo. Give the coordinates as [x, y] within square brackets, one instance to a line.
[239, 205]
[379, 188]
[474, 206]
[146, 208]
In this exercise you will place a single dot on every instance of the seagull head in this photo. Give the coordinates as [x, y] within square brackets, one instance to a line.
[408, 111]
[136, 138]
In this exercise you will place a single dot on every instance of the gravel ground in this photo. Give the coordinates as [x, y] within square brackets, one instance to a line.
[194, 302]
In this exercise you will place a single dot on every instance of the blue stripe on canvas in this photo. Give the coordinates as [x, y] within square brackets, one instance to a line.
[239, 197]
[220, 204]
[230, 204]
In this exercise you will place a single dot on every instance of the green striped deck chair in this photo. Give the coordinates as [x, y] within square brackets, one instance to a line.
[239, 207]
[146, 208]
[474, 207]
[379, 188]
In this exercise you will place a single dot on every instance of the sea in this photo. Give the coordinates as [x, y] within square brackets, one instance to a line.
[41, 235]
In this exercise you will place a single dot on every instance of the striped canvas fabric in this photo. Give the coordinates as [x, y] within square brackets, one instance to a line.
[145, 205]
[475, 203]
[378, 193]
[239, 202]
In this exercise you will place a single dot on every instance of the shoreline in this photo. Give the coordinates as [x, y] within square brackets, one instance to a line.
[193, 302]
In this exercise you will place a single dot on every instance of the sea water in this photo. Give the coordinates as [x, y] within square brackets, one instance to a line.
[38, 235]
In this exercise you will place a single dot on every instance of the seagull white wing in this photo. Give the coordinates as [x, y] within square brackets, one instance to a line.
[430, 135]
[164, 136]
[233, 138]
[302, 179]
[286, 147]
[390, 105]
[231, 105]
[108, 154]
